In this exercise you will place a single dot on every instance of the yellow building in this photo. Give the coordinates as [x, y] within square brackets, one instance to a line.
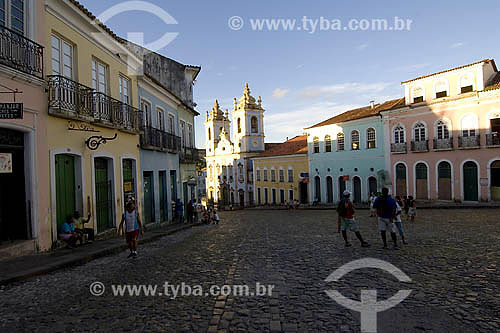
[93, 126]
[281, 173]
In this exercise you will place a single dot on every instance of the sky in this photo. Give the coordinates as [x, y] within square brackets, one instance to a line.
[307, 76]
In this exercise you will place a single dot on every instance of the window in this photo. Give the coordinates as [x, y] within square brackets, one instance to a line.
[146, 109]
[466, 84]
[160, 119]
[273, 175]
[290, 175]
[183, 133]
[340, 141]
[441, 89]
[355, 140]
[258, 175]
[419, 132]
[265, 175]
[210, 174]
[469, 125]
[15, 10]
[282, 175]
[239, 125]
[62, 57]
[124, 83]
[315, 145]
[240, 173]
[442, 130]
[209, 134]
[417, 94]
[190, 136]
[371, 138]
[171, 127]
[254, 125]
[328, 144]
[399, 134]
[99, 77]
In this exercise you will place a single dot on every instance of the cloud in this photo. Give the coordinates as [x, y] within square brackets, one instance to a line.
[279, 93]
[458, 44]
[342, 88]
[299, 66]
[362, 46]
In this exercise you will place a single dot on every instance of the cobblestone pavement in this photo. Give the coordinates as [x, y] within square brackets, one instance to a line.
[452, 259]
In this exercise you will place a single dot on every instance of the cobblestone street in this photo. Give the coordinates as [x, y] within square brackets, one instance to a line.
[452, 259]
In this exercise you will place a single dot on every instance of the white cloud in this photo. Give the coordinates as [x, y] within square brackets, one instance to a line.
[362, 46]
[299, 66]
[458, 44]
[279, 93]
[342, 88]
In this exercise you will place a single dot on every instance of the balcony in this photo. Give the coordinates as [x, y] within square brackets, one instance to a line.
[155, 139]
[20, 53]
[493, 139]
[70, 99]
[399, 148]
[420, 146]
[188, 155]
[466, 142]
[443, 144]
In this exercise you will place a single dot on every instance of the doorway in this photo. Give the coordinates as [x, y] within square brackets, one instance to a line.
[65, 188]
[303, 192]
[495, 180]
[162, 183]
[356, 183]
[329, 190]
[470, 181]
[372, 185]
[104, 194]
[401, 180]
[444, 181]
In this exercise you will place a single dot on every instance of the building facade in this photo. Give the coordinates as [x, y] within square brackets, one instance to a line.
[94, 122]
[229, 164]
[347, 152]
[281, 173]
[444, 142]
[24, 163]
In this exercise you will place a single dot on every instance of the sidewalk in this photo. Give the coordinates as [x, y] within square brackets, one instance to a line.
[21, 268]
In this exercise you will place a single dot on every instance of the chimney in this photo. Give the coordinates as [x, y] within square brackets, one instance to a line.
[372, 104]
[286, 138]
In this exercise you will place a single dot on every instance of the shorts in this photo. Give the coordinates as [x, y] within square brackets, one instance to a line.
[349, 224]
[412, 212]
[131, 236]
[385, 223]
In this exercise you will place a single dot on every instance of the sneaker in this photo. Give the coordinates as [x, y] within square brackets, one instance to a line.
[365, 244]
[348, 244]
[130, 255]
[134, 255]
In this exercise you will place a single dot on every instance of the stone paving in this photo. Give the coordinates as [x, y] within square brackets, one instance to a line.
[452, 259]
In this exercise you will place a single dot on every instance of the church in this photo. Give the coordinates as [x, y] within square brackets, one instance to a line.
[229, 165]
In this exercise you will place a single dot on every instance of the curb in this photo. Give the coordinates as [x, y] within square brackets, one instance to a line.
[66, 263]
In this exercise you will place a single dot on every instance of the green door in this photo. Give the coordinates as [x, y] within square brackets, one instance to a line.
[103, 195]
[148, 197]
[162, 179]
[65, 187]
[470, 182]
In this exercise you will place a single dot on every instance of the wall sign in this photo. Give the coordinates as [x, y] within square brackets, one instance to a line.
[5, 163]
[11, 110]
[483, 181]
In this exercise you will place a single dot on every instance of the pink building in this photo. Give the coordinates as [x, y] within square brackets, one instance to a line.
[445, 141]
[24, 163]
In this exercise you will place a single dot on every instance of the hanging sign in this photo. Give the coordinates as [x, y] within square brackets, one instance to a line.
[127, 186]
[5, 163]
[11, 110]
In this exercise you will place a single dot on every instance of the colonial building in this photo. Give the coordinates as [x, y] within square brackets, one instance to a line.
[229, 164]
[281, 173]
[347, 152]
[444, 142]
[24, 162]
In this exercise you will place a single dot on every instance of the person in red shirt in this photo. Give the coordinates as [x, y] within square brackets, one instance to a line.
[347, 221]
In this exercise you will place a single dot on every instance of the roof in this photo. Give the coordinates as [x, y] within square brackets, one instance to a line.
[296, 145]
[270, 145]
[452, 69]
[363, 112]
[494, 82]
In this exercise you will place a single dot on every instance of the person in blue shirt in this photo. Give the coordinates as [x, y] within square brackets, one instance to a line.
[68, 232]
[386, 212]
[179, 210]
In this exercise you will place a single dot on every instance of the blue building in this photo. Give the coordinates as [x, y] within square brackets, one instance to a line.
[347, 152]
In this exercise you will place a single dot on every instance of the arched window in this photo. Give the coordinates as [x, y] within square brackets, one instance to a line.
[441, 89]
[209, 134]
[442, 130]
[340, 141]
[399, 134]
[466, 84]
[315, 145]
[254, 124]
[238, 122]
[417, 94]
[371, 141]
[355, 140]
[328, 143]
[469, 125]
[419, 133]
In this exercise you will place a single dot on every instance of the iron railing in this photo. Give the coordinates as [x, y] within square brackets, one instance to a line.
[157, 139]
[493, 139]
[443, 143]
[469, 141]
[20, 53]
[71, 99]
[398, 147]
[420, 146]
[188, 155]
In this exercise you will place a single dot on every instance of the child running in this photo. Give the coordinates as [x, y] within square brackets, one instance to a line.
[133, 224]
[345, 212]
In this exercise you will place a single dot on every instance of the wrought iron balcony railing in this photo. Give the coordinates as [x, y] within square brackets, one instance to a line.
[493, 139]
[71, 99]
[398, 147]
[420, 146]
[20, 53]
[440, 144]
[152, 138]
[188, 155]
[469, 141]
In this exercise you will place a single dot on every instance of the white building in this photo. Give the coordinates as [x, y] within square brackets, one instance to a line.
[229, 168]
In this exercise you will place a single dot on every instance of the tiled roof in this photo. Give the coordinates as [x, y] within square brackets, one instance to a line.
[452, 69]
[296, 145]
[493, 83]
[270, 145]
[363, 112]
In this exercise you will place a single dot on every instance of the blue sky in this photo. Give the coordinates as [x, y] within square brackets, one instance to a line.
[304, 77]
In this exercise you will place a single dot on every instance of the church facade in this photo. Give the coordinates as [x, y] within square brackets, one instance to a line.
[229, 165]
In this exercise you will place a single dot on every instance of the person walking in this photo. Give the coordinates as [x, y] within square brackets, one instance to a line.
[346, 220]
[179, 210]
[386, 211]
[397, 221]
[412, 208]
[133, 225]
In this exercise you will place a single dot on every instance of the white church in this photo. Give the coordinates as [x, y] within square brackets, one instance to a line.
[229, 167]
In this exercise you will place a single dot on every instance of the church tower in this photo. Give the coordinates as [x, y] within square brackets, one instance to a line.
[216, 122]
[248, 123]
